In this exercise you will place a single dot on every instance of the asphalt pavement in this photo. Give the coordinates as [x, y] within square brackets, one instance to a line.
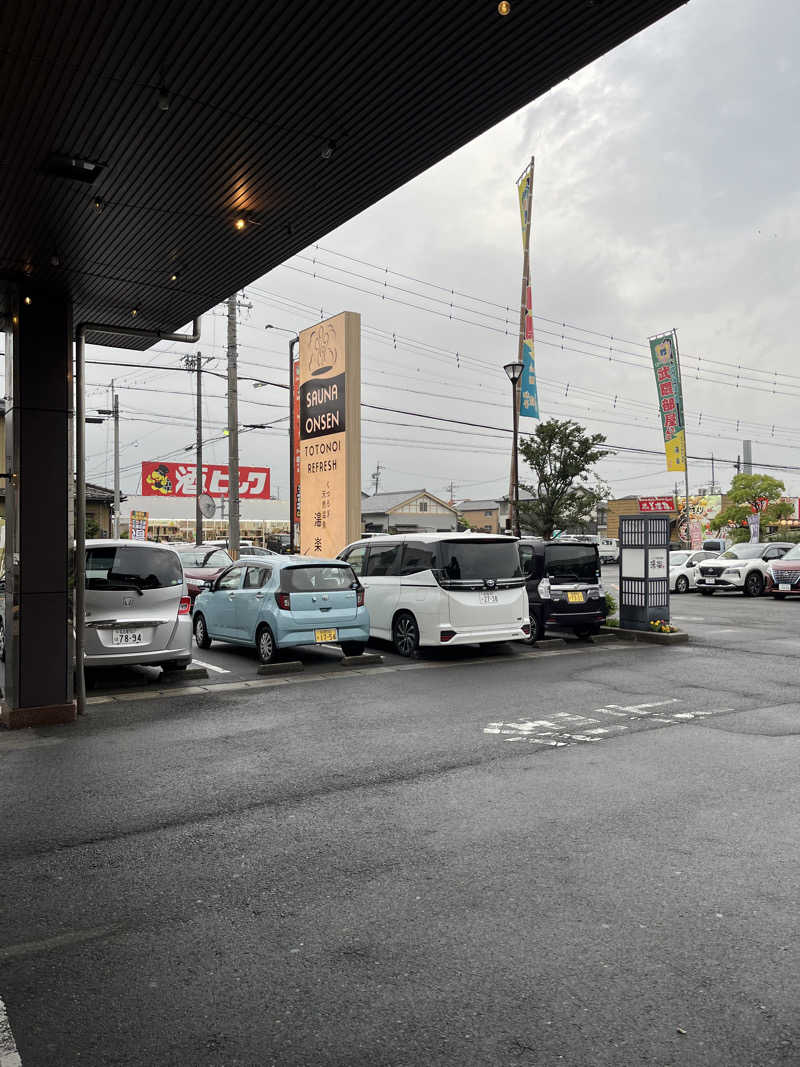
[583, 854]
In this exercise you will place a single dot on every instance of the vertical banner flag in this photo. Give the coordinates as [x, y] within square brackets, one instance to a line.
[670, 400]
[330, 435]
[137, 525]
[528, 392]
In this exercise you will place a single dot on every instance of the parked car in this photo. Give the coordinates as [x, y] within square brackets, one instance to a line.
[252, 551]
[609, 550]
[683, 569]
[714, 544]
[137, 606]
[426, 589]
[562, 580]
[282, 602]
[742, 567]
[201, 565]
[783, 575]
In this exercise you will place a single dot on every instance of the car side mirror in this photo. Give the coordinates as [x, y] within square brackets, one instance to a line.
[691, 563]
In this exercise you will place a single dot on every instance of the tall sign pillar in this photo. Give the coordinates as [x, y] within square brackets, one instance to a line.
[330, 435]
[643, 570]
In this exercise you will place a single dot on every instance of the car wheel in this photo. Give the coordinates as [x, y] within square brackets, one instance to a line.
[201, 632]
[405, 634]
[681, 584]
[265, 645]
[353, 648]
[753, 584]
[706, 592]
[537, 632]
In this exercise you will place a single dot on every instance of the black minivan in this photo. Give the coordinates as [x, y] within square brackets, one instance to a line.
[563, 583]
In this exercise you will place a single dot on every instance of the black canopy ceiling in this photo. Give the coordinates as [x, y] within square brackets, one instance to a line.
[196, 114]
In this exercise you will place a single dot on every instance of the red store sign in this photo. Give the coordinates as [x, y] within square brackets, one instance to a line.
[650, 504]
[179, 479]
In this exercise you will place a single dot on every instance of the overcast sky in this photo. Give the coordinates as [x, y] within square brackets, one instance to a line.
[666, 195]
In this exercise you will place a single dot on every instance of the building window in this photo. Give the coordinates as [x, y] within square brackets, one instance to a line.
[423, 505]
[489, 513]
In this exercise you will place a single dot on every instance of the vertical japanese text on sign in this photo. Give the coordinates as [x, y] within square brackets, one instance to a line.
[528, 391]
[670, 400]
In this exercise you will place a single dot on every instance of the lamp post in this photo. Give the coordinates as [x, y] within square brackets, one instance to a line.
[514, 372]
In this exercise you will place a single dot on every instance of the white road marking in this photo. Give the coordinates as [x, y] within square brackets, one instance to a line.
[9, 1057]
[730, 630]
[210, 667]
[567, 728]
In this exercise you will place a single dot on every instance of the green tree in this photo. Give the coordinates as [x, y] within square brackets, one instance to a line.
[745, 495]
[561, 456]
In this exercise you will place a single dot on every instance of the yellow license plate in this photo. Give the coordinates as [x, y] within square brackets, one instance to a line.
[575, 598]
[321, 636]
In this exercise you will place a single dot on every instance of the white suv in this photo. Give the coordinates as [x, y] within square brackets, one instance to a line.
[742, 567]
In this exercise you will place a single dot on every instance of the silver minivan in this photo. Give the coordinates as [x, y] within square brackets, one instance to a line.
[138, 609]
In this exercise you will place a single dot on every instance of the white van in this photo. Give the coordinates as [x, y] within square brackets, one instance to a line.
[609, 550]
[442, 588]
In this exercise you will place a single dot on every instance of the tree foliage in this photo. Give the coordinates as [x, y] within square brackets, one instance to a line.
[561, 456]
[745, 496]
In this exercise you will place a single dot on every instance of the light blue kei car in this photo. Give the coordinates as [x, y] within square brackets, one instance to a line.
[283, 601]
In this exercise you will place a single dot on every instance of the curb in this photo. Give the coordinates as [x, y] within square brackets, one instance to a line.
[680, 637]
[190, 674]
[366, 659]
[292, 666]
[551, 642]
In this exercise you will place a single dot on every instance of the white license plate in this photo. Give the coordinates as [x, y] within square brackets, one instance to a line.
[127, 637]
[784, 587]
[488, 598]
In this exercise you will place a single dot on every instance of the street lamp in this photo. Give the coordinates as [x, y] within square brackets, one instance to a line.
[514, 372]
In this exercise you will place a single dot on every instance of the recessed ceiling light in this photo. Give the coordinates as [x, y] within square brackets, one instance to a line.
[173, 277]
[134, 312]
[28, 300]
[240, 223]
[504, 8]
[328, 149]
[98, 205]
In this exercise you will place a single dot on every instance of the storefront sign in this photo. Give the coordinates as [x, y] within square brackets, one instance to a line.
[137, 525]
[528, 392]
[670, 400]
[650, 504]
[329, 418]
[179, 479]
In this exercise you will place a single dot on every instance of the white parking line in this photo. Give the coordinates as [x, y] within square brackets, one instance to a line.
[9, 1057]
[208, 667]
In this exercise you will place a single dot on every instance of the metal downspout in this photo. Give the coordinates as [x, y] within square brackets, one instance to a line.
[80, 475]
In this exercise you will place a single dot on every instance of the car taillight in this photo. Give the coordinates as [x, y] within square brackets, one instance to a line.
[185, 605]
[283, 601]
[447, 635]
[526, 627]
[360, 597]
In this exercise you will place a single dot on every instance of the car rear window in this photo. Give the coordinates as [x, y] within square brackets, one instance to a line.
[571, 562]
[468, 560]
[316, 578]
[132, 567]
[203, 557]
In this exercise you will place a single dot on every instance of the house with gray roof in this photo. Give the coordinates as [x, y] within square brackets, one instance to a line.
[409, 511]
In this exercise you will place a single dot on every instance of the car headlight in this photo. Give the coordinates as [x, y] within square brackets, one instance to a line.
[544, 588]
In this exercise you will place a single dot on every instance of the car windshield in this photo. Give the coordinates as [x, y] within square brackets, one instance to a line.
[131, 567]
[200, 556]
[677, 559]
[317, 578]
[793, 553]
[571, 562]
[468, 560]
[743, 552]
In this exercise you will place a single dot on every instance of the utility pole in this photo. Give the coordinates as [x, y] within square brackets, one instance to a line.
[452, 490]
[115, 408]
[713, 480]
[233, 432]
[376, 477]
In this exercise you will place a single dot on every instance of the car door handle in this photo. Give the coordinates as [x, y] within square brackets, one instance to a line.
[259, 596]
[231, 596]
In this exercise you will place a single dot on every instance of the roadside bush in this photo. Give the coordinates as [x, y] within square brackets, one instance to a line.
[611, 605]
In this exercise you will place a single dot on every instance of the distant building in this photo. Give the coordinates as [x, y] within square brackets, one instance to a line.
[483, 516]
[406, 512]
[172, 518]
